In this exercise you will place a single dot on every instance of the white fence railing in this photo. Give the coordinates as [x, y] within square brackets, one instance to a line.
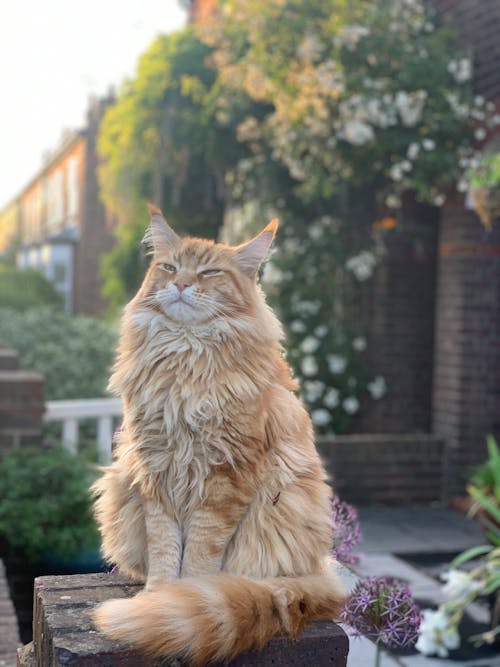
[104, 410]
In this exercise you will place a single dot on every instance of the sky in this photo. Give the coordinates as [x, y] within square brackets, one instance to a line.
[54, 54]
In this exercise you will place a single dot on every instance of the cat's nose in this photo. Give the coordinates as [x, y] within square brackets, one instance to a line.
[181, 286]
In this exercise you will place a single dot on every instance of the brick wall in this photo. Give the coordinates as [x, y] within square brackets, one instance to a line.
[478, 22]
[402, 324]
[385, 469]
[466, 403]
[21, 403]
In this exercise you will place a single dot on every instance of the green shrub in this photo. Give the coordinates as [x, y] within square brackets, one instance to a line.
[45, 503]
[25, 288]
[73, 353]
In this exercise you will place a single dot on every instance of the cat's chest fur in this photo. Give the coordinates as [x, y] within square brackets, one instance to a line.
[186, 394]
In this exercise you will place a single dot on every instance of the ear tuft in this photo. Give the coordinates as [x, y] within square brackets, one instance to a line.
[159, 235]
[250, 255]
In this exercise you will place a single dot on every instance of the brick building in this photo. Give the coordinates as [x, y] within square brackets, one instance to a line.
[436, 309]
[57, 222]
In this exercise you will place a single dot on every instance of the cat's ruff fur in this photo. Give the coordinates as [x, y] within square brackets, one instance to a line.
[215, 468]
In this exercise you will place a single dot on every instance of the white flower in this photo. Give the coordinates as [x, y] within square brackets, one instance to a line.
[462, 186]
[305, 308]
[321, 417]
[298, 327]
[459, 584]
[315, 232]
[350, 36]
[460, 69]
[413, 150]
[410, 106]
[310, 48]
[436, 634]
[359, 343]
[313, 389]
[480, 133]
[336, 363]
[309, 366]
[362, 265]
[377, 387]
[439, 200]
[393, 201]
[321, 330]
[350, 405]
[396, 172]
[356, 132]
[429, 144]
[331, 398]
[309, 345]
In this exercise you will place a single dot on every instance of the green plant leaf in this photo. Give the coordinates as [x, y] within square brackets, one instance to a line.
[486, 503]
[494, 453]
[493, 585]
[471, 553]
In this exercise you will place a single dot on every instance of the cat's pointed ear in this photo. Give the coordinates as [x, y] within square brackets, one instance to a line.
[159, 235]
[250, 255]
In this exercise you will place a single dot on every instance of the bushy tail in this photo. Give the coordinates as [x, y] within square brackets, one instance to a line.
[218, 617]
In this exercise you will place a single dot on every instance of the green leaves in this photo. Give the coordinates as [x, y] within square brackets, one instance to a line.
[474, 552]
[45, 504]
[73, 353]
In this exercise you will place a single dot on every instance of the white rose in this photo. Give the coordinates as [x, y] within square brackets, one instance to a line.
[350, 405]
[321, 417]
[359, 343]
[309, 366]
[429, 144]
[321, 330]
[298, 327]
[357, 133]
[313, 389]
[377, 387]
[413, 150]
[336, 363]
[309, 345]
[331, 398]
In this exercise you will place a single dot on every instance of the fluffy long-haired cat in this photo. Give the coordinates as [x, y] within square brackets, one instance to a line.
[217, 497]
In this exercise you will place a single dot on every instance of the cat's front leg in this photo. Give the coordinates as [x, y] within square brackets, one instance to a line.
[164, 545]
[212, 525]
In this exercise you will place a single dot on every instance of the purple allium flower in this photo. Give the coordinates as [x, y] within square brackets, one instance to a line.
[346, 532]
[383, 609]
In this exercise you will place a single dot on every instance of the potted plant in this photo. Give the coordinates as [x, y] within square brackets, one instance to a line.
[45, 509]
[485, 184]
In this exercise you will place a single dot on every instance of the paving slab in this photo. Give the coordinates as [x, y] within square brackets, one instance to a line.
[400, 530]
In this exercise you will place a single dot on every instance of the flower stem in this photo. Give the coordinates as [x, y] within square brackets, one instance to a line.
[378, 654]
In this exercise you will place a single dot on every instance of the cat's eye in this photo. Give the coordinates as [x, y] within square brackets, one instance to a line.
[168, 267]
[210, 272]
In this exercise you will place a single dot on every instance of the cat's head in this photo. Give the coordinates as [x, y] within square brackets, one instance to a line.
[195, 281]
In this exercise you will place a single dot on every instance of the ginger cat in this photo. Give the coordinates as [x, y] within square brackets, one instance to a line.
[217, 498]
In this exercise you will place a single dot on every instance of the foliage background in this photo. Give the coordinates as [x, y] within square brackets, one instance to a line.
[323, 113]
[73, 353]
